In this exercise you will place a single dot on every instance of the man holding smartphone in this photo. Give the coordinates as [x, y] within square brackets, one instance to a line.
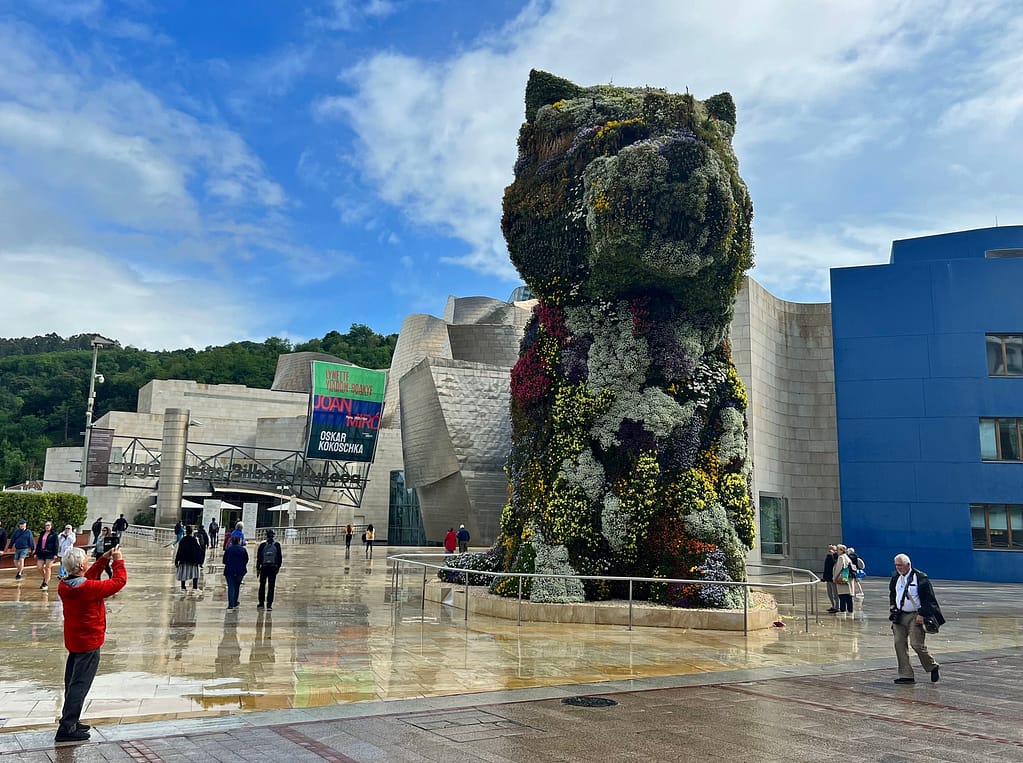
[85, 624]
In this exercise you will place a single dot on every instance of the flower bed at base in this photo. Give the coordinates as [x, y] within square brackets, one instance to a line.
[762, 613]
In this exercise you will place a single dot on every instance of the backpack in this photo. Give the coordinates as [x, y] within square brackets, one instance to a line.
[860, 564]
[269, 555]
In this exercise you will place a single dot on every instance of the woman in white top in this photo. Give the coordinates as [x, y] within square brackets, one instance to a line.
[65, 542]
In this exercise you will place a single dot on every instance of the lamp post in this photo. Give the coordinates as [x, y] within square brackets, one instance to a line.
[97, 342]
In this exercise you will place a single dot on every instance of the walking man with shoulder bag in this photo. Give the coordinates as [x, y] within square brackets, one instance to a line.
[914, 613]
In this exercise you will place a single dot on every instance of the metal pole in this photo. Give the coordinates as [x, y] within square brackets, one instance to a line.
[520, 602]
[793, 590]
[467, 596]
[630, 604]
[88, 419]
[806, 608]
[745, 609]
[424, 588]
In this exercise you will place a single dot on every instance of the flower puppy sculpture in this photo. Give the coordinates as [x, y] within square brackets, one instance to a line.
[630, 223]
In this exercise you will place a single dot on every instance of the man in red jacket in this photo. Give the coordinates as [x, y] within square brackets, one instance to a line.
[85, 627]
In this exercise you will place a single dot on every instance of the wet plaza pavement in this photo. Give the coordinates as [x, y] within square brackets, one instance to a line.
[339, 671]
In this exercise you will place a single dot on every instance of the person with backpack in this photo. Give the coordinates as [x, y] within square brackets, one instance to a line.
[269, 560]
[856, 573]
[214, 533]
[914, 612]
[844, 574]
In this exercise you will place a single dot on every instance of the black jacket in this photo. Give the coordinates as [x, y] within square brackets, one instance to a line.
[259, 556]
[120, 525]
[48, 551]
[829, 567]
[189, 551]
[928, 602]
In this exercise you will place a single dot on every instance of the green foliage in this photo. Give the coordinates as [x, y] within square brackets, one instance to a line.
[544, 89]
[721, 106]
[44, 382]
[36, 508]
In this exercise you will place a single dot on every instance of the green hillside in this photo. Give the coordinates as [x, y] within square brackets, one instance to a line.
[44, 382]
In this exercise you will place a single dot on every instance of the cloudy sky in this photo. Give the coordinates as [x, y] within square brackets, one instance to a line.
[181, 173]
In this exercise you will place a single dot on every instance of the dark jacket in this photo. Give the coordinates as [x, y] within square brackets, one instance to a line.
[22, 539]
[928, 602]
[97, 527]
[120, 525]
[3, 540]
[236, 560]
[189, 551]
[49, 550]
[829, 567]
[279, 557]
[463, 535]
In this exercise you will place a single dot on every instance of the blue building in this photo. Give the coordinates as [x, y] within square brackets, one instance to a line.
[929, 394]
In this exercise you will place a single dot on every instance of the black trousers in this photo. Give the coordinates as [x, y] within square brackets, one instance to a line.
[267, 584]
[79, 672]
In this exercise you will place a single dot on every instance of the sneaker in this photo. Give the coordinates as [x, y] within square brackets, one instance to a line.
[259, 606]
[270, 609]
[832, 610]
[905, 680]
[44, 587]
[83, 727]
[935, 675]
[859, 596]
[78, 735]
[18, 576]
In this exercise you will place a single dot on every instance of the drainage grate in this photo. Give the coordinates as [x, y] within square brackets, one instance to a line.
[588, 701]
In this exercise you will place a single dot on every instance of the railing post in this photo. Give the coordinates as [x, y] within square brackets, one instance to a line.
[793, 590]
[806, 608]
[467, 596]
[745, 609]
[423, 605]
[630, 604]
[520, 602]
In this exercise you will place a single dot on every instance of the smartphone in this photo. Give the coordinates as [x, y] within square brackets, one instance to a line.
[111, 541]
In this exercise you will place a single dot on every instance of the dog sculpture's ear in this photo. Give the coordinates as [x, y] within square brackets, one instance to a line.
[721, 106]
[544, 88]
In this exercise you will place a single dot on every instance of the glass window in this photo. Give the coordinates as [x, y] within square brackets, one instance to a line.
[1014, 355]
[988, 440]
[1016, 527]
[773, 525]
[998, 529]
[1004, 354]
[978, 526]
[1008, 439]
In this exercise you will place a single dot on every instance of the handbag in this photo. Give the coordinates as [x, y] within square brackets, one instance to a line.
[931, 624]
[844, 575]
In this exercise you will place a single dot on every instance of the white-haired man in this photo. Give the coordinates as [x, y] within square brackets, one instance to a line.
[85, 626]
[911, 598]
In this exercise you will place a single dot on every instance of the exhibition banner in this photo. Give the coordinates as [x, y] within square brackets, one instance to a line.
[344, 412]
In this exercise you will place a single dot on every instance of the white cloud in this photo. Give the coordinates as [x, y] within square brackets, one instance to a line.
[835, 87]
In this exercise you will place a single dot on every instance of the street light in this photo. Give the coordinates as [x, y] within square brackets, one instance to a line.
[97, 342]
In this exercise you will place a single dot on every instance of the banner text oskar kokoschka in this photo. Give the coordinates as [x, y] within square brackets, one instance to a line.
[345, 412]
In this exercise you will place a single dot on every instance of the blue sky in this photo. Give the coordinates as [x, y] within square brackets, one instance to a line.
[177, 173]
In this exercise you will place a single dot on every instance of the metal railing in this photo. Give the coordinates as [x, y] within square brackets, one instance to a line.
[809, 602]
[330, 534]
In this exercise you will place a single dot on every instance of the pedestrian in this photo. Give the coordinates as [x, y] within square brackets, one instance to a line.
[857, 570]
[97, 527]
[85, 626]
[844, 574]
[237, 532]
[367, 538]
[829, 578]
[3, 538]
[913, 605]
[120, 525]
[46, 552]
[450, 541]
[463, 539]
[179, 532]
[23, 543]
[349, 532]
[99, 551]
[214, 533]
[65, 542]
[204, 541]
[269, 559]
[236, 561]
[188, 559]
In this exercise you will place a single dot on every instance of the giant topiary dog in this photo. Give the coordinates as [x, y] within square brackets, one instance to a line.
[628, 220]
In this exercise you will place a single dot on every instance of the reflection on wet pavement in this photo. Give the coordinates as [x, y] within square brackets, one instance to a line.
[334, 635]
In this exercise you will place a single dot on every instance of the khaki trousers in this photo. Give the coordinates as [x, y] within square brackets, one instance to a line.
[909, 634]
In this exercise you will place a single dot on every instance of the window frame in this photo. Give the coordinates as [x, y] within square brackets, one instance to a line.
[784, 543]
[995, 423]
[1004, 358]
[1010, 531]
